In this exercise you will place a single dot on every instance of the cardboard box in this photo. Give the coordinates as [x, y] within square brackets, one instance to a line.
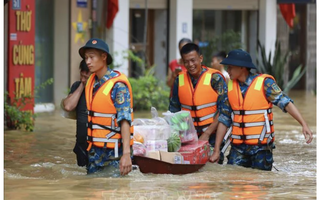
[171, 157]
[195, 153]
[154, 155]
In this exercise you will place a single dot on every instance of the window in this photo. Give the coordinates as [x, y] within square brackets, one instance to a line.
[44, 49]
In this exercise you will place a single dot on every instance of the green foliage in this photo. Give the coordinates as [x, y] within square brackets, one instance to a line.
[149, 91]
[228, 41]
[297, 75]
[42, 86]
[125, 54]
[276, 67]
[15, 116]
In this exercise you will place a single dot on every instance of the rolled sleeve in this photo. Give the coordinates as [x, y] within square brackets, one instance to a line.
[275, 95]
[223, 106]
[121, 97]
[225, 120]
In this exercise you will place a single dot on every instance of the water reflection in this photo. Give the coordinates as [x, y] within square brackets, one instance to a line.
[41, 165]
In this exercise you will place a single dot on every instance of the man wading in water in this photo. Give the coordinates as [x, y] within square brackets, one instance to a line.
[251, 97]
[109, 103]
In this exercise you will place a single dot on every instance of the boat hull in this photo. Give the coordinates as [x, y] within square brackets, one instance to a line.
[150, 165]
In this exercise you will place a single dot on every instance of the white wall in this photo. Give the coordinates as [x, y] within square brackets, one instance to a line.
[61, 50]
[160, 43]
[181, 14]
[268, 24]
[252, 35]
[117, 37]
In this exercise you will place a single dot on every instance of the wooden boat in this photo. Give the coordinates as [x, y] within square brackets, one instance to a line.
[150, 165]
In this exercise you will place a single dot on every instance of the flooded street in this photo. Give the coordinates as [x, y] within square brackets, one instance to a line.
[41, 165]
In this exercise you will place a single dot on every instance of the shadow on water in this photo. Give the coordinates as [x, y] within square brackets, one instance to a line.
[41, 165]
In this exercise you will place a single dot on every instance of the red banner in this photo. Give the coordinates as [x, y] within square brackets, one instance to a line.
[21, 50]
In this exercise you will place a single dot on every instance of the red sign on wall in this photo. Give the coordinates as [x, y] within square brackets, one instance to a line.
[21, 50]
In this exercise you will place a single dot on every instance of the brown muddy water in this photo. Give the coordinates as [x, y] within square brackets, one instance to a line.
[41, 165]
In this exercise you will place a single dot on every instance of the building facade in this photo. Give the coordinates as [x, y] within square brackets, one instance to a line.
[63, 26]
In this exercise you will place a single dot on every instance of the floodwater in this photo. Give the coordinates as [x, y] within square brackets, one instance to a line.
[41, 165]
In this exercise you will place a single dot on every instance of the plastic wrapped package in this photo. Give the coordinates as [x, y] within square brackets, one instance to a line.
[138, 138]
[139, 149]
[152, 132]
[156, 145]
[182, 122]
[158, 121]
[155, 120]
[139, 122]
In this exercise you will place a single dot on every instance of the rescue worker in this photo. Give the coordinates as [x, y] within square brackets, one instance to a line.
[109, 103]
[251, 97]
[76, 102]
[203, 92]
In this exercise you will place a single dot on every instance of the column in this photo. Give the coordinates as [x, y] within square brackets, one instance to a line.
[268, 24]
[253, 35]
[311, 59]
[181, 12]
[160, 43]
[61, 52]
[117, 37]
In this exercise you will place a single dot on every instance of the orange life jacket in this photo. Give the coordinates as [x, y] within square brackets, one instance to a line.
[103, 129]
[201, 101]
[252, 122]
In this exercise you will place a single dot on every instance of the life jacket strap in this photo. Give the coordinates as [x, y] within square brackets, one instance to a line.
[226, 145]
[200, 119]
[251, 124]
[97, 114]
[106, 140]
[249, 137]
[227, 140]
[206, 105]
[195, 108]
[201, 129]
[93, 126]
[252, 112]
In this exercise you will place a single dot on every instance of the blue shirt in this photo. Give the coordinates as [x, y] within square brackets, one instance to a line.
[218, 85]
[120, 95]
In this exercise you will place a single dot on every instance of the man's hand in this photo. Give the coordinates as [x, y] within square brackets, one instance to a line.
[125, 164]
[205, 136]
[210, 130]
[176, 72]
[307, 134]
[214, 158]
[294, 112]
[71, 101]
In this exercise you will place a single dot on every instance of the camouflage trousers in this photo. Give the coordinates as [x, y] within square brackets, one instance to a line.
[251, 156]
